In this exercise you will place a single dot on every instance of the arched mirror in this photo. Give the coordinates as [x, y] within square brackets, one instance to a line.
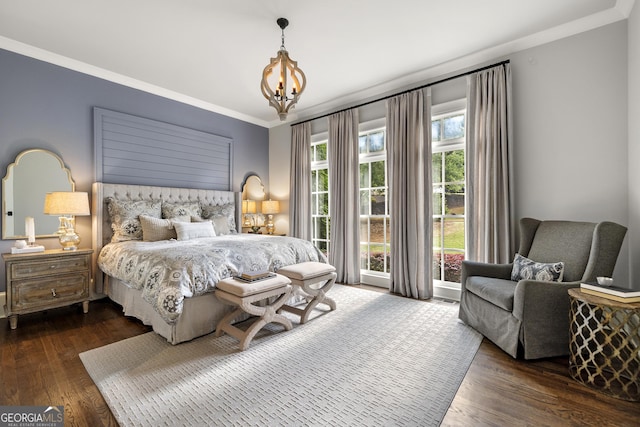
[253, 189]
[33, 174]
[252, 195]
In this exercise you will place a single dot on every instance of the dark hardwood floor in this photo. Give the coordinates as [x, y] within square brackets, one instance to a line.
[39, 365]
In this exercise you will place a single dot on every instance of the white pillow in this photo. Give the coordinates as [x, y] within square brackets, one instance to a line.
[194, 230]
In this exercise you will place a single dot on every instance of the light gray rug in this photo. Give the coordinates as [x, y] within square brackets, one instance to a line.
[377, 360]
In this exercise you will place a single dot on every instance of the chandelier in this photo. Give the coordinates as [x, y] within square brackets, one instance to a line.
[282, 81]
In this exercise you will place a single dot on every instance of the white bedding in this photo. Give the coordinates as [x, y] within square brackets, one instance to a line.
[167, 272]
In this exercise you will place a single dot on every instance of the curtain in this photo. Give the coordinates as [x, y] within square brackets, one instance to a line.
[344, 188]
[410, 188]
[300, 185]
[489, 135]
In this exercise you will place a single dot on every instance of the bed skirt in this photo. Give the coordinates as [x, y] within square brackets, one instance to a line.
[200, 314]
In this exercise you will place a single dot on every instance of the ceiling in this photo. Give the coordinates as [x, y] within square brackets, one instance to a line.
[210, 53]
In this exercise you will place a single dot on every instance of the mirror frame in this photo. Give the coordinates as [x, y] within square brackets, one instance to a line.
[7, 177]
[251, 189]
[246, 189]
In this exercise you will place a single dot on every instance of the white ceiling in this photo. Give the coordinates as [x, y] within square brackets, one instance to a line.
[210, 53]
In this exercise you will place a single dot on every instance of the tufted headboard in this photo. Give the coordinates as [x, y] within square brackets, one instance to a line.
[101, 223]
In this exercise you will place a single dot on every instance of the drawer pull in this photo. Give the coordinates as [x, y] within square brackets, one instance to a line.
[53, 267]
[53, 293]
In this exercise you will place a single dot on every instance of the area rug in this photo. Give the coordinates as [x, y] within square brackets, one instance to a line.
[378, 359]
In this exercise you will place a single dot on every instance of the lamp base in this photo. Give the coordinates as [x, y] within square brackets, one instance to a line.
[270, 226]
[69, 239]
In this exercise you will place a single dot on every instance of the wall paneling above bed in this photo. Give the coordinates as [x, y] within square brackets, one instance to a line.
[135, 150]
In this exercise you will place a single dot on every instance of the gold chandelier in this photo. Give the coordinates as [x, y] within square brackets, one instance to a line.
[282, 81]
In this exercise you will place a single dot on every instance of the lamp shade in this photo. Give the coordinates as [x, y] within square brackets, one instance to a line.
[270, 207]
[66, 203]
[251, 207]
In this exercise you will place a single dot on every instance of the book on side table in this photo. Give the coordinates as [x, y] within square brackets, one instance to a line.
[612, 292]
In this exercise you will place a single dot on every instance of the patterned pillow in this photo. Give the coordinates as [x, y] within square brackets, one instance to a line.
[154, 229]
[524, 268]
[228, 211]
[194, 230]
[124, 217]
[180, 211]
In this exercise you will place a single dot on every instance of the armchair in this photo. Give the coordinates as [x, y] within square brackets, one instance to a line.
[530, 318]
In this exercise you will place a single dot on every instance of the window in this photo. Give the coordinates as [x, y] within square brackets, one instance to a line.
[374, 210]
[320, 196]
[448, 174]
[448, 163]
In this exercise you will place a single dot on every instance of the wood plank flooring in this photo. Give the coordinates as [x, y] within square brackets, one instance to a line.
[39, 365]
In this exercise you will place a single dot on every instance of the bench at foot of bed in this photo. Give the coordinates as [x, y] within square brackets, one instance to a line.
[315, 279]
[244, 295]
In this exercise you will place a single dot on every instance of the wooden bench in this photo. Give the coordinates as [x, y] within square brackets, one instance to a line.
[315, 279]
[244, 295]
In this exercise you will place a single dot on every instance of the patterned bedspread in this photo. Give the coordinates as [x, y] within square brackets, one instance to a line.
[170, 270]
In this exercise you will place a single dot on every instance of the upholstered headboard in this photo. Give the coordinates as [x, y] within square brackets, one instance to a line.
[101, 224]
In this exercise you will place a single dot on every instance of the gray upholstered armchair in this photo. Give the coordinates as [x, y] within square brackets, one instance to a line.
[530, 318]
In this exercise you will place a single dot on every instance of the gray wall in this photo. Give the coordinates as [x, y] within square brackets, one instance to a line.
[570, 131]
[47, 106]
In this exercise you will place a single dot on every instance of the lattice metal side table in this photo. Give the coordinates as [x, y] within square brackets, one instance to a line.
[605, 344]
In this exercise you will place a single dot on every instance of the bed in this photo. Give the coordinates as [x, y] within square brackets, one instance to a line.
[175, 297]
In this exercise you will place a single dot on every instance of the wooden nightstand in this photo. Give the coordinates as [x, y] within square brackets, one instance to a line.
[45, 280]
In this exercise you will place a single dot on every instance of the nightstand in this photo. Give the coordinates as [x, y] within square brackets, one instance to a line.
[604, 344]
[45, 280]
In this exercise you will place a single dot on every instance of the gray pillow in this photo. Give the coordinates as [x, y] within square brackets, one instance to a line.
[524, 268]
[228, 211]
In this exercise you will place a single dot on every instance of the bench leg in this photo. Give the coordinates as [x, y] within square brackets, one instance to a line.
[314, 296]
[266, 314]
[269, 317]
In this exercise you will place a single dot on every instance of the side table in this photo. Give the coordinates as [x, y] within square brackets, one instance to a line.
[45, 280]
[604, 344]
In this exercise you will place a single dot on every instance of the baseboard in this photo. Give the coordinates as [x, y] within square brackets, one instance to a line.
[440, 289]
[446, 292]
[3, 301]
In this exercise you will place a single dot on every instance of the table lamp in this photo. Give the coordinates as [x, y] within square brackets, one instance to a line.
[67, 205]
[270, 207]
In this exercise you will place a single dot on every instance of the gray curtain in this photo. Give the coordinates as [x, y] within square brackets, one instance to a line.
[300, 184]
[489, 134]
[344, 188]
[410, 188]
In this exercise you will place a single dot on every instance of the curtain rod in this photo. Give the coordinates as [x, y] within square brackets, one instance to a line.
[446, 79]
